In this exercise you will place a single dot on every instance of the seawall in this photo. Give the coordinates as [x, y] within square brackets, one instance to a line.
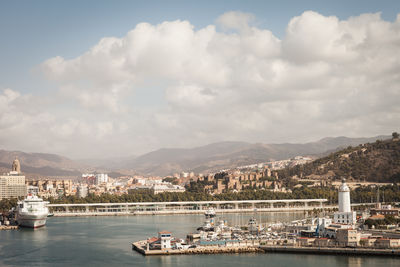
[333, 251]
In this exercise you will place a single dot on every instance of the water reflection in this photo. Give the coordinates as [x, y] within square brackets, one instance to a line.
[106, 241]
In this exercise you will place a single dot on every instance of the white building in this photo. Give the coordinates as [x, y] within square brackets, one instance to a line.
[141, 181]
[12, 184]
[161, 188]
[345, 215]
[101, 178]
[165, 239]
[153, 181]
[82, 191]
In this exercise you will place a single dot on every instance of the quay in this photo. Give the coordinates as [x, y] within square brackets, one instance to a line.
[254, 248]
[332, 251]
[187, 207]
[140, 247]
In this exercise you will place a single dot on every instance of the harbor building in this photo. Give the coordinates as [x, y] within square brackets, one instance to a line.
[348, 237]
[344, 215]
[165, 239]
[12, 184]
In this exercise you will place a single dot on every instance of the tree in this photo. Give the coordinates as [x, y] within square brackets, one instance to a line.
[395, 135]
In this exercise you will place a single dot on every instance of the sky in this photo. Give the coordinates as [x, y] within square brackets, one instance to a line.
[98, 79]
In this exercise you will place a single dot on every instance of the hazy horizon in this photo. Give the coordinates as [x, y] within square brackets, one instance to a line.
[91, 79]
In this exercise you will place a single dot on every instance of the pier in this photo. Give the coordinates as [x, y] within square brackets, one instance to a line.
[245, 248]
[254, 247]
[187, 207]
[332, 251]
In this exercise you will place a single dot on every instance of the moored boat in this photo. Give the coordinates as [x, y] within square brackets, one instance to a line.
[210, 213]
[32, 212]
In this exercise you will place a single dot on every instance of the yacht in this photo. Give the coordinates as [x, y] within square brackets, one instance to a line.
[207, 226]
[32, 212]
[254, 227]
[210, 213]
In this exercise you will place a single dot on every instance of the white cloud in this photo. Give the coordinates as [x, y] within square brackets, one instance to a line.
[325, 77]
[235, 20]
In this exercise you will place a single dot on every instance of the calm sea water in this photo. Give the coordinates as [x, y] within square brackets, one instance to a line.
[106, 241]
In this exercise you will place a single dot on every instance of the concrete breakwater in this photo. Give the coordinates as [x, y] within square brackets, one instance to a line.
[332, 251]
[139, 247]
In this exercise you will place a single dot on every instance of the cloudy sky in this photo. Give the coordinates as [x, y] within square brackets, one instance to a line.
[103, 79]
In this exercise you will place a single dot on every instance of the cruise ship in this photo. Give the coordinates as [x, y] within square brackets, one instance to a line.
[32, 212]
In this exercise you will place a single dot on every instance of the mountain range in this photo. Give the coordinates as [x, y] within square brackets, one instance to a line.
[166, 161]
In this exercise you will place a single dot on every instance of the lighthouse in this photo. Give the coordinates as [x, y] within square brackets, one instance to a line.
[344, 197]
[344, 215]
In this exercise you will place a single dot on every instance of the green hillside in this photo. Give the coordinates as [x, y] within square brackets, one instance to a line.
[375, 162]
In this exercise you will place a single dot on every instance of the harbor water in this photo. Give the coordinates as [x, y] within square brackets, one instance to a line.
[106, 241]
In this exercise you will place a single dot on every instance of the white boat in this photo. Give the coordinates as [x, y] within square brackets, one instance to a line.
[210, 213]
[32, 212]
[254, 227]
[207, 226]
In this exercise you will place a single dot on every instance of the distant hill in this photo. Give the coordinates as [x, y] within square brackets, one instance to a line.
[41, 164]
[223, 155]
[166, 161]
[378, 162]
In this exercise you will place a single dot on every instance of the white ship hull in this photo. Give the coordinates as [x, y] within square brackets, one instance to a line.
[32, 220]
[32, 212]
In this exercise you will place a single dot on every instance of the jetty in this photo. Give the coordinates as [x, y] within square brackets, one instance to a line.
[332, 251]
[140, 247]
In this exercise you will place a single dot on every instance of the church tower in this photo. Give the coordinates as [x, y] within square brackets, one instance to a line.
[16, 166]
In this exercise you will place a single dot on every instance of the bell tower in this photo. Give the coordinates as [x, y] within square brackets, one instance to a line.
[16, 166]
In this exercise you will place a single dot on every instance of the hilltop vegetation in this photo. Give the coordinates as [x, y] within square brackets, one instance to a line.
[375, 162]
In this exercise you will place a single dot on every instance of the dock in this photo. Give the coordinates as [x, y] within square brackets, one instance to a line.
[332, 251]
[140, 247]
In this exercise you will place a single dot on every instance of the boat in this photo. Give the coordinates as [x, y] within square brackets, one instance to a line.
[210, 213]
[254, 227]
[32, 212]
[207, 226]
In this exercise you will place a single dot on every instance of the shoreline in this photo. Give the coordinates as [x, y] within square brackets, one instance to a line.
[138, 246]
[333, 251]
[173, 212]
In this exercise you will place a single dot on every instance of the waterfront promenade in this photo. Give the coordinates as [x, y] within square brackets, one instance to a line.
[187, 207]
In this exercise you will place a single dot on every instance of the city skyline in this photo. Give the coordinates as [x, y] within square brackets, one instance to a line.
[88, 78]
